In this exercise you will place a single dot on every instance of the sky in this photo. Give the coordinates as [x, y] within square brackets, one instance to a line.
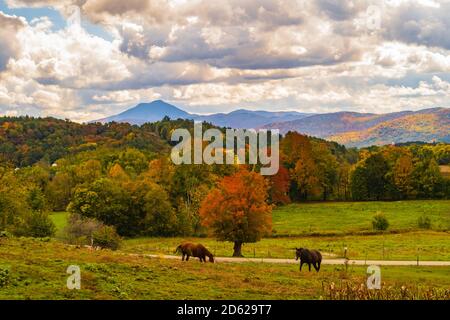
[88, 59]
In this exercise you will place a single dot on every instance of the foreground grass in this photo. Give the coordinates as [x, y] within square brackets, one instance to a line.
[427, 245]
[341, 218]
[37, 270]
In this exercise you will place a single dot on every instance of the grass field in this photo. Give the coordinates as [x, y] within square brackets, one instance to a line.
[340, 218]
[404, 246]
[60, 221]
[32, 269]
[330, 227]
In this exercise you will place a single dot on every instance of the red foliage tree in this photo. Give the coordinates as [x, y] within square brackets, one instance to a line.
[237, 211]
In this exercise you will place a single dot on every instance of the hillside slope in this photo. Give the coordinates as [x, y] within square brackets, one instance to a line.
[361, 130]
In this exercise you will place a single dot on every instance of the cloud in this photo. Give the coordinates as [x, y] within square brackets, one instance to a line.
[10, 47]
[412, 22]
[211, 56]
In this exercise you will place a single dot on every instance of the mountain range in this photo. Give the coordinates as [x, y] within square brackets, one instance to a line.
[352, 129]
[157, 110]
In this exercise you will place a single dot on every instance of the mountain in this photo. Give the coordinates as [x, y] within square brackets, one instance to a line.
[352, 129]
[250, 119]
[365, 129]
[148, 112]
[426, 125]
[157, 110]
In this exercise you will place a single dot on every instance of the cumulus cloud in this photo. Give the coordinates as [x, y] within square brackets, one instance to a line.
[412, 22]
[10, 26]
[210, 56]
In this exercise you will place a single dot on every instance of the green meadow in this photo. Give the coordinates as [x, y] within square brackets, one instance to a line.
[340, 218]
[331, 227]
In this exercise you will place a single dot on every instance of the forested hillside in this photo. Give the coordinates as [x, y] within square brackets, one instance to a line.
[120, 178]
[25, 140]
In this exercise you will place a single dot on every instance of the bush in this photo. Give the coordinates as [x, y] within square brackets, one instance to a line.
[79, 229]
[380, 222]
[39, 225]
[424, 222]
[4, 277]
[106, 237]
[87, 231]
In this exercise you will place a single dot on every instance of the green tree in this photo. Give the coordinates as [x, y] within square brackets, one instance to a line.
[107, 201]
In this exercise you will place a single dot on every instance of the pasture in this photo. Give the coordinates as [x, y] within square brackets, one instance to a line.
[39, 273]
[428, 245]
[33, 269]
[330, 227]
[343, 218]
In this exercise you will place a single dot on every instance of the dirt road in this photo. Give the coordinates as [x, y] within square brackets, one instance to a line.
[325, 261]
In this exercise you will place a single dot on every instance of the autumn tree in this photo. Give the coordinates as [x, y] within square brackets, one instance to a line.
[291, 147]
[279, 187]
[237, 211]
[58, 191]
[402, 176]
[88, 171]
[305, 174]
[116, 172]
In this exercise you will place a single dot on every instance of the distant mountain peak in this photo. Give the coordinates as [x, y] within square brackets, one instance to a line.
[149, 112]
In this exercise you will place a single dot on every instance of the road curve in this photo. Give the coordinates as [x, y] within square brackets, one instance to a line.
[325, 261]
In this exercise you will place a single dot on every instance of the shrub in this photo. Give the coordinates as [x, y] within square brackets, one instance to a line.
[39, 225]
[79, 226]
[106, 237]
[4, 277]
[380, 222]
[79, 229]
[424, 222]
[24, 218]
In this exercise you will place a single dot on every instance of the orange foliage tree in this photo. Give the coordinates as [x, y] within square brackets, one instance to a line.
[279, 188]
[237, 211]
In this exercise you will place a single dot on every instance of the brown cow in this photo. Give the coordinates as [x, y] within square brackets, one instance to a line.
[195, 250]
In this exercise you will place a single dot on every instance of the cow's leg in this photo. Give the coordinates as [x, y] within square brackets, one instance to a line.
[187, 257]
[309, 266]
[318, 265]
[182, 259]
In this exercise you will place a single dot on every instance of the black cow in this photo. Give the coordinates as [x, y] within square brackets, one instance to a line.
[310, 257]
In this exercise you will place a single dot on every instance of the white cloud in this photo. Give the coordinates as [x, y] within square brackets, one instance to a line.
[218, 55]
